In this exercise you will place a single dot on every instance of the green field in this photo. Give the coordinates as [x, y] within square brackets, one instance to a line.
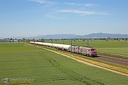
[20, 60]
[111, 47]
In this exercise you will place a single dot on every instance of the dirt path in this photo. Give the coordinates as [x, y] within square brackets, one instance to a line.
[86, 62]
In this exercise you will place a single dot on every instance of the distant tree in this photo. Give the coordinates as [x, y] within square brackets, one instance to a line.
[39, 40]
[11, 40]
[33, 39]
[25, 40]
[126, 39]
[42, 40]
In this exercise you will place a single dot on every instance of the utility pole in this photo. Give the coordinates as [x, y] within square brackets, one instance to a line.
[87, 42]
[71, 45]
[51, 41]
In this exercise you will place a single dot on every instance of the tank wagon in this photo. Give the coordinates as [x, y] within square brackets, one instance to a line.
[88, 51]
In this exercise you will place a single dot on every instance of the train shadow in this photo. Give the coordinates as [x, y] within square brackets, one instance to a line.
[95, 56]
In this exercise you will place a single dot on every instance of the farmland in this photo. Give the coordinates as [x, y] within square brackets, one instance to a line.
[20, 60]
[110, 47]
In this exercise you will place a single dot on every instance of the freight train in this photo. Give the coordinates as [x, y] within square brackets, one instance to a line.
[88, 51]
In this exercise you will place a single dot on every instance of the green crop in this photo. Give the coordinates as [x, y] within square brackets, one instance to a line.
[20, 61]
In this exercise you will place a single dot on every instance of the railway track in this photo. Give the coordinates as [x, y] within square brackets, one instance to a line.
[112, 60]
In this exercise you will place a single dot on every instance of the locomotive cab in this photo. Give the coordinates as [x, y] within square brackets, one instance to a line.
[93, 52]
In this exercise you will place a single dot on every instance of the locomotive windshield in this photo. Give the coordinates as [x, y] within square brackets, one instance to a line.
[93, 50]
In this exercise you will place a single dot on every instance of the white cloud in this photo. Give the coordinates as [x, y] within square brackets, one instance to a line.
[39, 1]
[55, 11]
[43, 1]
[87, 5]
[77, 12]
[80, 12]
[76, 4]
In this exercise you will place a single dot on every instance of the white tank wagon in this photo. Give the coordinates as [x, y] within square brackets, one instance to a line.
[47, 44]
[39, 43]
[62, 46]
[31, 42]
[57, 46]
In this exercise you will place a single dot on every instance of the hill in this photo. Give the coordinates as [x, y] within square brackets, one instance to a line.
[105, 35]
[93, 35]
[58, 36]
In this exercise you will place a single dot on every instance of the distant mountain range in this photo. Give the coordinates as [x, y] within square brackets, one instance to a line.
[58, 36]
[93, 35]
[105, 35]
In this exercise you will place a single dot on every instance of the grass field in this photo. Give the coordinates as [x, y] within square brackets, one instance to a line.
[111, 47]
[20, 60]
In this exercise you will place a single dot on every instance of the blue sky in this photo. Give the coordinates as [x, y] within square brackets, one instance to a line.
[24, 18]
